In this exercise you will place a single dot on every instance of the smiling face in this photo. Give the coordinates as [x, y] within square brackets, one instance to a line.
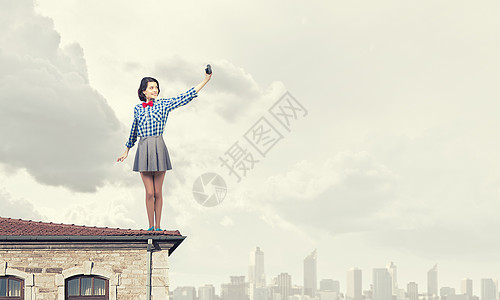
[151, 91]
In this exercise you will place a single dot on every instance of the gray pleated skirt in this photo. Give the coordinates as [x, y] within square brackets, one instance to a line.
[152, 155]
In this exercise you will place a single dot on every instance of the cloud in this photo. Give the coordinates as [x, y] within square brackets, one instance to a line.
[442, 240]
[54, 124]
[226, 222]
[18, 208]
[111, 213]
[354, 192]
[233, 91]
[345, 194]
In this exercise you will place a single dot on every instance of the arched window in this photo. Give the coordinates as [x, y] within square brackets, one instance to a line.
[11, 288]
[87, 287]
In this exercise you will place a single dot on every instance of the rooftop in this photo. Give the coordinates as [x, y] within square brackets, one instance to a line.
[28, 228]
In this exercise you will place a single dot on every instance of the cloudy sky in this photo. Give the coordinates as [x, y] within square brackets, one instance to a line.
[397, 158]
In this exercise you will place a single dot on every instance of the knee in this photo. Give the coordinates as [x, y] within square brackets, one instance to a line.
[150, 195]
[158, 195]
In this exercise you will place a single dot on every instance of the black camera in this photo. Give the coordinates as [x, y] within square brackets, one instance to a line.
[208, 70]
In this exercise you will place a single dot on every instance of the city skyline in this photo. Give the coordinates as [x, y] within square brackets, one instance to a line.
[383, 283]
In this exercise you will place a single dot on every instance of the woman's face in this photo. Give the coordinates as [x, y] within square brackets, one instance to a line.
[151, 91]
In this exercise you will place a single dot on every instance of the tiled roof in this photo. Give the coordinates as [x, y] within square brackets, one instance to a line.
[16, 227]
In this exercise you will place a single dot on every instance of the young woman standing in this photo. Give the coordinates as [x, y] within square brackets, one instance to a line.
[151, 158]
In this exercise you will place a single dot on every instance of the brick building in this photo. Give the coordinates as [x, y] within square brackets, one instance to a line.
[45, 261]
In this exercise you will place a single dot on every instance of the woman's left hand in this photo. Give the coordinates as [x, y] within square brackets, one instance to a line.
[123, 156]
[202, 84]
[207, 77]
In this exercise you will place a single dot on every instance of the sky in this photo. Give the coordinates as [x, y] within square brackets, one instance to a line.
[393, 156]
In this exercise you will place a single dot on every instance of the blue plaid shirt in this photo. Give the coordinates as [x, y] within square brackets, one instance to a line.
[150, 121]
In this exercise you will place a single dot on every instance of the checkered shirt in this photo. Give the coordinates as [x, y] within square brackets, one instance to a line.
[150, 121]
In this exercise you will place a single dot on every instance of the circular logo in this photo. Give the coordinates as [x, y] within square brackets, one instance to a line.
[209, 189]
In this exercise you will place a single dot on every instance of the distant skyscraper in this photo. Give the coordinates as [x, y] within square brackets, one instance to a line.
[329, 285]
[206, 292]
[297, 290]
[185, 293]
[412, 290]
[446, 292]
[489, 289]
[262, 293]
[432, 281]
[382, 284]
[310, 279]
[256, 276]
[467, 287]
[235, 290]
[393, 271]
[354, 284]
[400, 294]
[284, 283]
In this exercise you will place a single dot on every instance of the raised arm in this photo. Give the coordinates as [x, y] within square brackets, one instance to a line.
[184, 98]
[202, 84]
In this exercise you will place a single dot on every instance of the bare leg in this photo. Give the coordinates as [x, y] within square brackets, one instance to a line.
[158, 193]
[148, 180]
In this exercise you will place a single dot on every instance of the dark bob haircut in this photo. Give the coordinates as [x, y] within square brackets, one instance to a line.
[144, 86]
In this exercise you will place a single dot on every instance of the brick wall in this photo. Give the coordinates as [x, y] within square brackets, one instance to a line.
[45, 271]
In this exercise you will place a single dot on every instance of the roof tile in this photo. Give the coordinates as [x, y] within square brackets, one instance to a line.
[18, 227]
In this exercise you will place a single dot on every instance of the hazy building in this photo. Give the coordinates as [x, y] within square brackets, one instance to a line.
[432, 281]
[327, 295]
[235, 290]
[459, 297]
[297, 290]
[283, 285]
[382, 284]
[489, 289]
[467, 287]
[185, 293]
[261, 293]
[400, 294]
[310, 277]
[256, 276]
[393, 271]
[329, 285]
[412, 290]
[368, 294]
[206, 292]
[299, 297]
[354, 284]
[447, 293]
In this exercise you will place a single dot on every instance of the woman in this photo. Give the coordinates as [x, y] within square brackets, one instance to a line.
[151, 158]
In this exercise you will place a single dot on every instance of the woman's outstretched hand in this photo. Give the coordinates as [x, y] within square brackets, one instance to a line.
[202, 84]
[208, 76]
[123, 156]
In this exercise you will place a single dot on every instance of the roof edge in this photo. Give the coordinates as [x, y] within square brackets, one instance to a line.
[91, 237]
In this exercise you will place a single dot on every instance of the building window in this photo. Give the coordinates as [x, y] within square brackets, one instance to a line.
[11, 288]
[87, 287]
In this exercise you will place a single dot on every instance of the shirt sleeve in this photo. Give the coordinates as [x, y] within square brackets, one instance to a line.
[133, 132]
[182, 99]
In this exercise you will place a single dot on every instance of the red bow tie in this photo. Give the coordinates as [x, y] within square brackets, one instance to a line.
[150, 103]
